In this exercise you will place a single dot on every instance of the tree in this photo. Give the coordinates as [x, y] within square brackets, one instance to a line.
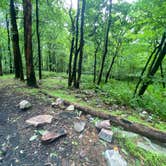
[38, 39]
[15, 42]
[105, 43]
[9, 50]
[1, 71]
[30, 73]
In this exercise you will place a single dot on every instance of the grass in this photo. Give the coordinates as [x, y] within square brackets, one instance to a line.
[115, 92]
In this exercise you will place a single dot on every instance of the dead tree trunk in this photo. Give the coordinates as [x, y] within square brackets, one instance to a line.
[9, 50]
[105, 43]
[81, 43]
[154, 67]
[15, 41]
[38, 40]
[27, 11]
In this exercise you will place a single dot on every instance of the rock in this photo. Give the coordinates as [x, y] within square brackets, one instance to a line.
[113, 158]
[127, 134]
[147, 145]
[106, 135]
[103, 124]
[79, 126]
[89, 117]
[70, 108]
[150, 119]
[24, 104]
[39, 120]
[49, 137]
[58, 102]
[82, 154]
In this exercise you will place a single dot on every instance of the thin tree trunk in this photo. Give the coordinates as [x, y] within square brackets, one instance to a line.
[15, 42]
[71, 48]
[81, 43]
[112, 62]
[155, 66]
[1, 71]
[105, 43]
[162, 75]
[144, 69]
[27, 11]
[9, 50]
[38, 39]
[95, 62]
[74, 74]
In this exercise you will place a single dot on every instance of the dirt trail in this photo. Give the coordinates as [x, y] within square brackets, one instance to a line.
[75, 149]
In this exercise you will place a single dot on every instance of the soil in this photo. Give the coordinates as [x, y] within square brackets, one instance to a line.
[75, 149]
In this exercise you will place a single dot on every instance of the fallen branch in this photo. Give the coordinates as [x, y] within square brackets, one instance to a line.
[149, 132]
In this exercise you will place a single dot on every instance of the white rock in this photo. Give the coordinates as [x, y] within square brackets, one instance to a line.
[103, 124]
[58, 102]
[70, 108]
[24, 104]
[79, 126]
[113, 158]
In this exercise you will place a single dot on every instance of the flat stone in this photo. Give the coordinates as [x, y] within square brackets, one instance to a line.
[40, 120]
[49, 137]
[106, 135]
[79, 126]
[24, 104]
[70, 108]
[113, 158]
[103, 124]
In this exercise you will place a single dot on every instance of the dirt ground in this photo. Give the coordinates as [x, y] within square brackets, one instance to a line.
[75, 149]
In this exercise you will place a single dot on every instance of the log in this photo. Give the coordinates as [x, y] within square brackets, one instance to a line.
[138, 128]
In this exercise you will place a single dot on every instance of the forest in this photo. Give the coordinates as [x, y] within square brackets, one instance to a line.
[83, 82]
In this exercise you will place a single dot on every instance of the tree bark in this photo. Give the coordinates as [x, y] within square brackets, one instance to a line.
[81, 43]
[38, 40]
[15, 41]
[105, 43]
[27, 11]
[9, 50]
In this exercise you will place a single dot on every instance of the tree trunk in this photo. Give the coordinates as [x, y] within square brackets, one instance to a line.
[71, 48]
[154, 66]
[113, 61]
[95, 62]
[74, 74]
[105, 43]
[38, 40]
[9, 50]
[15, 42]
[1, 71]
[162, 75]
[27, 11]
[81, 43]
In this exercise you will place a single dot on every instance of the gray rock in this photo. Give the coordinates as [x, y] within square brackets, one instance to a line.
[127, 134]
[70, 108]
[106, 135]
[147, 145]
[79, 126]
[24, 104]
[113, 158]
[58, 102]
[103, 124]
